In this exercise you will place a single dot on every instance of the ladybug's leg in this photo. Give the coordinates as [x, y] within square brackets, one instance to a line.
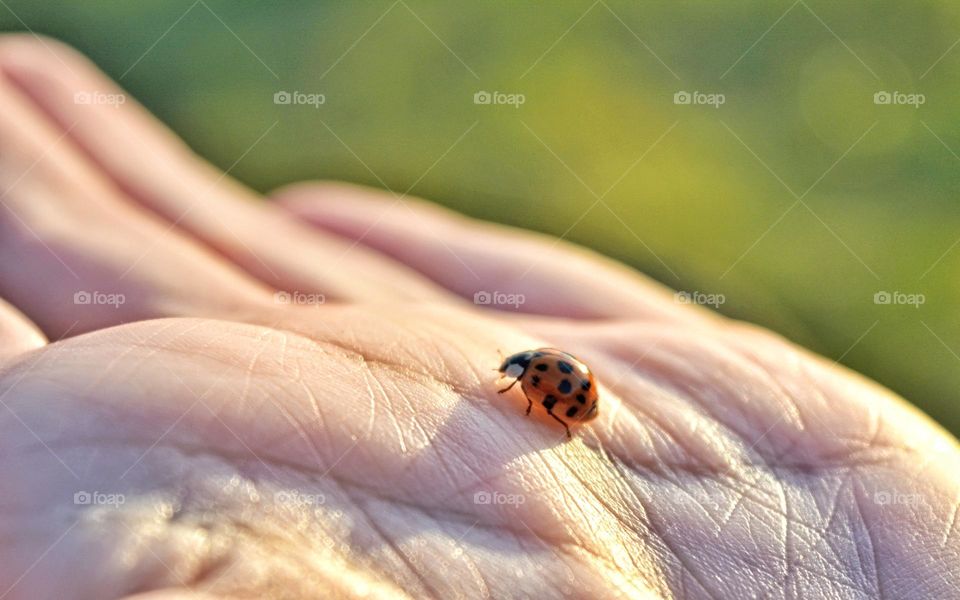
[508, 387]
[561, 421]
[529, 405]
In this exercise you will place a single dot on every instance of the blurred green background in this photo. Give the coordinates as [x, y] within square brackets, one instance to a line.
[798, 198]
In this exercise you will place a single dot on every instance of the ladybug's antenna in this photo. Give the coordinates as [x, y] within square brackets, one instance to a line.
[500, 354]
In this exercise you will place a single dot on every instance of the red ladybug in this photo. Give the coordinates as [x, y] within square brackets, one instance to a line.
[556, 380]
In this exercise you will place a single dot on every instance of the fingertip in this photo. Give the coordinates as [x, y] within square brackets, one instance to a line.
[22, 51]
[307, 196]
[328, 203]
[469, 257]
[17, 333]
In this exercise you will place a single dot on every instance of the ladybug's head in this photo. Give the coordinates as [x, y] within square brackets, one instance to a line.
[515, 364]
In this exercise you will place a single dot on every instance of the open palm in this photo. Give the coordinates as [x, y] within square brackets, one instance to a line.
[299, 400]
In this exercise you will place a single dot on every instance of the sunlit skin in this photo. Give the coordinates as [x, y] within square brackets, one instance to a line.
[348, 438]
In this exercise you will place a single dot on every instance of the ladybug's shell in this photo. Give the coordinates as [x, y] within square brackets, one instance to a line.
[561, 384]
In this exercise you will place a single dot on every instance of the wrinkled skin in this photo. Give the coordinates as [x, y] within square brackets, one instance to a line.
[273, 450]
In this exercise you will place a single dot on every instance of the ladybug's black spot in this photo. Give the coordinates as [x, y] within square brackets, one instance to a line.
[549, 401]
[585, 385]
[581, 399]
[572, 411]
[564, 366]
[564, 387]
[541, 367]
[534, 380]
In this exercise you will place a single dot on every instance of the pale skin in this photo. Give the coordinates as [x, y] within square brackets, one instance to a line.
[245, 447]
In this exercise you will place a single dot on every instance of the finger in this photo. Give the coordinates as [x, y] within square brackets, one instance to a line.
[483, 261]
[17, 333]
[74, 256]
[155, 169]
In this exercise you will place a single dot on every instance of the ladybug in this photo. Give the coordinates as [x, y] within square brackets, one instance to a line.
[556, 380]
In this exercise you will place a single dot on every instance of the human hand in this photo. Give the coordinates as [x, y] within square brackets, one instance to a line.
[205, 438]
